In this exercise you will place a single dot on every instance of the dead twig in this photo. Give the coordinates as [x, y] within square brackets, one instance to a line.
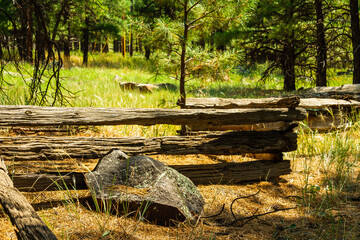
[231, 205]
[254, 216]
[245, 219]
[215, 215]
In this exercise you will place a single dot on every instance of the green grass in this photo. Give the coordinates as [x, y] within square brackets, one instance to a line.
[96, 86]
[331, 163]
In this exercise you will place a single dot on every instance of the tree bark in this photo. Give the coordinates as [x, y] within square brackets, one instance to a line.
[355, 30]
[116, 45]
[307, 103]
[222, 173]
[26, 17]
[230, 143]
[230, 103]
[183, 45]
[321, 61]
[68, 36]
[47, 116]
[1, 50]
[131, 46]
[289, 66]
[76, 44]
[124, 45]
[346, 92]
[85, 47]
[147, 52]
[22, 215]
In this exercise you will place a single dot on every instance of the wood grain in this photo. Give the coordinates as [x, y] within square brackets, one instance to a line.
[25, 148]
[22, 215]
[46, 116]
[222, 173]
[307, 103]
[230, 103]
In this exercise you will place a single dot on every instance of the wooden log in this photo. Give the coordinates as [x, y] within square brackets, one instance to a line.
[327, 103]
[226, 173]
[272, 126]
[229, 103]
[22, 215]
[222, 173]
[37, 182]
[322, 122]
[347, 88]
[230, 143]
[349, 91]
[307, 103]
[45, 116]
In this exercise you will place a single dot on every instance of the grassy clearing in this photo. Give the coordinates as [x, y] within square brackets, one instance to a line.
[324, 184]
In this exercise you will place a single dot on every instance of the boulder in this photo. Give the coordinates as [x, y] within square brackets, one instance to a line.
[145, 185]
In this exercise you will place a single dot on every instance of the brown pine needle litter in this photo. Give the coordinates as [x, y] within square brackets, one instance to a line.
[325, 196]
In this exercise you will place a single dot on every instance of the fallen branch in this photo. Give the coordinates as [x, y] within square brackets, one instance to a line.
[217, 214]
[22, 215]
[231, 205]
[246, 219]
[254, 216]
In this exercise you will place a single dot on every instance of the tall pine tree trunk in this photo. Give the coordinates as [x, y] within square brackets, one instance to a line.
[288, 65]
[86, 41]
[321, 65]
[182, 101]
[26, 44]
[289, 56]
[131, 44]
[1, 51]
[116, 45]
[147, 52]
[355, 29]
[68, 37]
[40, 49]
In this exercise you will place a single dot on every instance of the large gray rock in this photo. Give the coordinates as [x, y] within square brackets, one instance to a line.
[143, 181]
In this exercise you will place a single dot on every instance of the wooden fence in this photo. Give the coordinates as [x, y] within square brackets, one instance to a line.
[262, 144]
[322, 113]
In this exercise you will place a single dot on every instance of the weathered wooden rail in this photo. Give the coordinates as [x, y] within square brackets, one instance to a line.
[22, 215]
[54, 116]
[322, 113]
[25, 148]
[222, 173]
[285, 102]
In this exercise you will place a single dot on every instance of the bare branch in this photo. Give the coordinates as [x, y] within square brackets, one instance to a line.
[255, 216]
[231, 206]
[217, 214]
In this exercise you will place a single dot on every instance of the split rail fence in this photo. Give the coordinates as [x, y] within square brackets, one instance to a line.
[323, 114]
[262, 144]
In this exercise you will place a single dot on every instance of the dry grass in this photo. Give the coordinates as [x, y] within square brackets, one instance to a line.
[310, 220]
[74, 221]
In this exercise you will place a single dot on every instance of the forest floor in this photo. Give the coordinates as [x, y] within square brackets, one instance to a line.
[315, 212]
